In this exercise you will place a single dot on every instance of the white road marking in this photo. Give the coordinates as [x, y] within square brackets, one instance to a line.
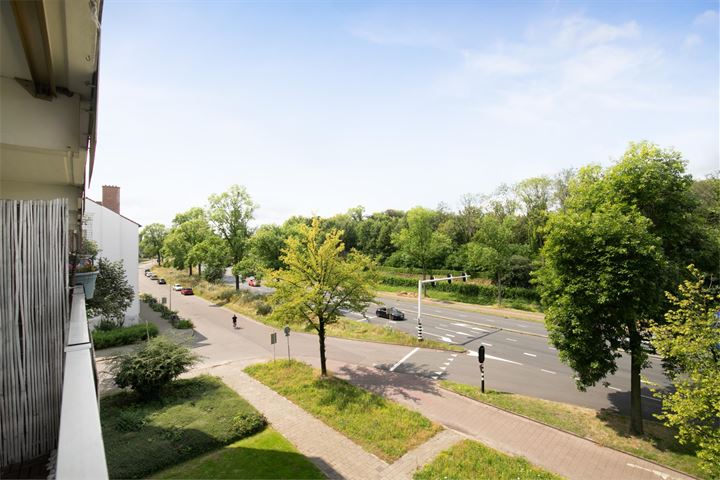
[453, 331]
[615, 388]
[548, 371]
[475, 354]
[529, 354]
[662, 475]
[479, 329]
[445, 339]
[511, 339]
[404, 358]
[552, 348]
[446, 363]
[487, 344]
[459, 324]
[651, 398]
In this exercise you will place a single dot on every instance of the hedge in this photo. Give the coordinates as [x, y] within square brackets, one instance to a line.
[123, 336]
[468, 291]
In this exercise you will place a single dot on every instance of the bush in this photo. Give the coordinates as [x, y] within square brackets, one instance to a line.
[122, 336]
[130, 420]
[226, 295]
[248, 423]
[152, 367]
[184, 324]
[263, 309]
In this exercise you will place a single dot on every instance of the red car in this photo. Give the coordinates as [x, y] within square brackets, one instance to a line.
[186, 291]
[253, 282]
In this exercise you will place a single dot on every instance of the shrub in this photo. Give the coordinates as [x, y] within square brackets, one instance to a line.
[147, 298]
[153, 366]
[184, 324]
[122, 336]
[226, 295]
[130, 420]
[263, 309]
[248, 423]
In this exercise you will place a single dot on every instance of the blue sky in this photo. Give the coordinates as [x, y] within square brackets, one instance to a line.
[317, 107]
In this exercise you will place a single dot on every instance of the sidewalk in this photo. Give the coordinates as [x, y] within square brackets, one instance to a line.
[556, 451]
[333, 453]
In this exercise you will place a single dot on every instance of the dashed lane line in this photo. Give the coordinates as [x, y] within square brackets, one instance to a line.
[511, 339]
[548, 371]
[512, 330]
[487, 344]
[475, 354]
[529, 354]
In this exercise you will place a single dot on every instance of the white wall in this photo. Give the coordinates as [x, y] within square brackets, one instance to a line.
[117, 238]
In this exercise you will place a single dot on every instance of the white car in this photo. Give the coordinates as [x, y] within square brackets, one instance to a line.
[177, 287]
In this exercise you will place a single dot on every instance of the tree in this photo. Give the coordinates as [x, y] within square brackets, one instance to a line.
[535, 195]
[113, 294]
[689, 341]
[151, 241]
[213, 253]
[181, 240]
[319, 281]
[229, 214]
[266, 246]
[420, 241]
[493, 249]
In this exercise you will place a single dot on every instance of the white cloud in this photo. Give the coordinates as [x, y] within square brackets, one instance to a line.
[583, 32]
[708, 17]
[495, 63]
[692, 40]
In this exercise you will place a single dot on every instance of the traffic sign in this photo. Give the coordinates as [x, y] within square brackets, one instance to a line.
[273, 338]
[287, 330]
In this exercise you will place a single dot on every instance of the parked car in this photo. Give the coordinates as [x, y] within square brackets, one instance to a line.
[253, 282]
[177, 287]
[392, 313]
[148, 273]
[153, 276]
[186, 291]
[162, 281]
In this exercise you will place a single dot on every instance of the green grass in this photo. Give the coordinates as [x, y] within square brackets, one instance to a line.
[382, 427]
[190, 418]
[469, 459]
[605, 427]
[247, 304]
[265, 455]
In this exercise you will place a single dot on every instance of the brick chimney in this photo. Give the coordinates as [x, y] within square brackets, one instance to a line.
[111, 197]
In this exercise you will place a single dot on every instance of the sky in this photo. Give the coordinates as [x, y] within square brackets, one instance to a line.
[317, 107]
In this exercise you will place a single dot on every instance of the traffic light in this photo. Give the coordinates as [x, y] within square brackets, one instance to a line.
[481, 354]
[449, 277]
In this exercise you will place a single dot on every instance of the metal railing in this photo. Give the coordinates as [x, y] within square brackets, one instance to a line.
[81, 452]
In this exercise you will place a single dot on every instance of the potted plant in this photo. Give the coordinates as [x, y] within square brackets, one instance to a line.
[82, 266]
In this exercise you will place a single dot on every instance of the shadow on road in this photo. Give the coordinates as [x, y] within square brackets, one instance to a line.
[389, 384]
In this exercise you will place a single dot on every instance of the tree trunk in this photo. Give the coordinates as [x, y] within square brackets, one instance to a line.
[237, 282]
[499, 288]
[191, 270]
[321, 336]
[200, 269]
[159, 259]
[636, 420]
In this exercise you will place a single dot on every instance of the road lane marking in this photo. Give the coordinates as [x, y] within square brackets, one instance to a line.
[487, 344]
[552, 348]
[475, 354]
[651, 398]
[548, 371]
[459, 324]
[529, 354]
[480, 329]
[511, 339]
[404, 358]
[448, 330]
[446, 339]
[615, 388]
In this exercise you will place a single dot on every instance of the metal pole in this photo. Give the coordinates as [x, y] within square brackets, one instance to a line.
[288, 341]
[419, 323]
[482, 378]
[170, 298]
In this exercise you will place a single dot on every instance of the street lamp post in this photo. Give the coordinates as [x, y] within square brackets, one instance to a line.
[420, 284]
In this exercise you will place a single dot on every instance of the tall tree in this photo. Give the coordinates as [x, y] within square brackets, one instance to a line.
[608, 258]
[229, 213]
[151, 240]
[319, 281]
[420, 241]
[212, 252]
[535, 196]
[689, 342]
[181, 240]
[113, 293]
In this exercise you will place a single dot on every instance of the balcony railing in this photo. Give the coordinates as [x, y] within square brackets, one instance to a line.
[80, 453]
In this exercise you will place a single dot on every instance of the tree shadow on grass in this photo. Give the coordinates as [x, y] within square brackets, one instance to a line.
[391, 385]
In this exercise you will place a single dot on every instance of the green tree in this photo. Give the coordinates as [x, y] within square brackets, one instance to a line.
[689, 341]
[229, 214]
[493, 249]
[213, 253]
[265, 246]
[151, 241]
[319, 281]
[535, 195]
[181, 240]
[113, 294]
[420, 242]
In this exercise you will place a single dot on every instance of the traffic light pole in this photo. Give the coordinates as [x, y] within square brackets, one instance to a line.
[449, 278]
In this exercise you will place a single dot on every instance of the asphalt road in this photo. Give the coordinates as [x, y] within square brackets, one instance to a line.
[518, 356]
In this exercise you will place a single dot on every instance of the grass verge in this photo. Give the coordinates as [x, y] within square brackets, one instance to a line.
[607, 428]
[190, 418]
[382, 427]
[265, 455]
[250, 304]
[470, 459]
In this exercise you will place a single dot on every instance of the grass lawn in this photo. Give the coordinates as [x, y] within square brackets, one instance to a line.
[604, 427]
[265, 455]
[382, 427]
[469, 459]
[191, 417]
[246, 303]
